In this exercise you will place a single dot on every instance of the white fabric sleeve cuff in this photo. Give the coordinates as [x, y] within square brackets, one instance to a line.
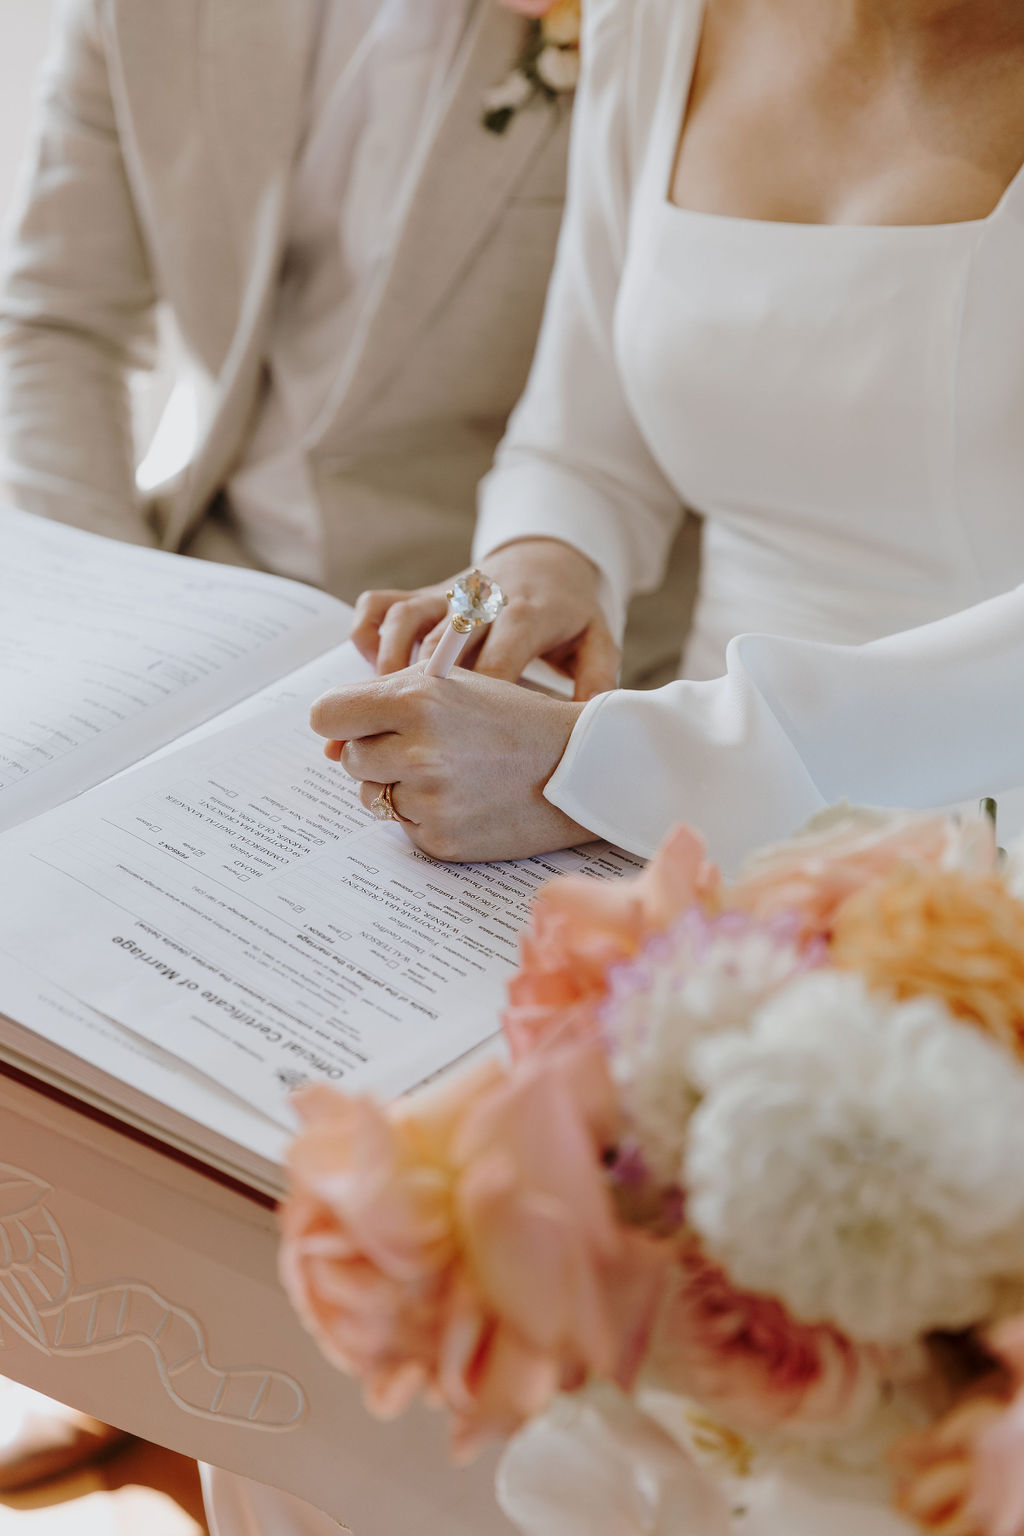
[926, 718]
[708, 753]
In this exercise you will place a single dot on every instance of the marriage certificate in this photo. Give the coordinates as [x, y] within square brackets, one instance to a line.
[233, 903]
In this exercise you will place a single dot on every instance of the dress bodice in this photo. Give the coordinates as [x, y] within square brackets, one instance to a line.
[842, 403]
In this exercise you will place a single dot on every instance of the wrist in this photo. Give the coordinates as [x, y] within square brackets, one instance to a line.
[568, 712]
[544, 548]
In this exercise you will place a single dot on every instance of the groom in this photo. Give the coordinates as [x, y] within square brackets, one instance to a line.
[354, 267]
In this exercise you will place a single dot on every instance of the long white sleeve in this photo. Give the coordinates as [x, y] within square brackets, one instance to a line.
[573, 465]
[929, 717]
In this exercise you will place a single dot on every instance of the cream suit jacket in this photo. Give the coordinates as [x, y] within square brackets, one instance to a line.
[167, 133]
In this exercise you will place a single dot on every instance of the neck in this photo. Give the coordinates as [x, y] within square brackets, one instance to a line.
[948, 25]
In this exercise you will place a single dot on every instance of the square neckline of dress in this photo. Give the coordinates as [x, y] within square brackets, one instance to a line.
[686, 54]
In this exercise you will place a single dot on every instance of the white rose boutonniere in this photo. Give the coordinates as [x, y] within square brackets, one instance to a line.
[549, 62]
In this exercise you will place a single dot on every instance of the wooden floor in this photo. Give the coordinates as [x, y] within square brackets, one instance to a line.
[140, 1491]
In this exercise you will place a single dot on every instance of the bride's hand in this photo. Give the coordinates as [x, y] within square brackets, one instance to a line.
[552, 612]
[467, 758]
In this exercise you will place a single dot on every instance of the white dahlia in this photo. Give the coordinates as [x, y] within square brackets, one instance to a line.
[860, 1159]
[559, 68]
[510, 94]
[706, 975]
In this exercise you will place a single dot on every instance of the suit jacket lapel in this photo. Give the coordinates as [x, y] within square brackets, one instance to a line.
[214, 89]
[255, 60]
[465, 181]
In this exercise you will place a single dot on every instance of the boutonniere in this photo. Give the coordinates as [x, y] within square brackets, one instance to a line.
[549, 63]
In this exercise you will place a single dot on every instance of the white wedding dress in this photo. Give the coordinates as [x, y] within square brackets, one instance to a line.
[845, 406]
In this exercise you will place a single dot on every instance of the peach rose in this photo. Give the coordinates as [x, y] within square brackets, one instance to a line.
[939, 933]
[935, 1468]
[368, 1237]
[557, 1290]
[581, 928]
[743, 1357]
[464, 1242]
[847, 848]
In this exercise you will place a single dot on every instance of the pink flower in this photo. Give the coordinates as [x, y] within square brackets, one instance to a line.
[1007, 1341]
[582, 928]
[559, 1290]
[464, 1242]
[997, 1497]
[964, 1475]
[368, 1239]
[846, 848]
[935, 1468]
[744, 1357]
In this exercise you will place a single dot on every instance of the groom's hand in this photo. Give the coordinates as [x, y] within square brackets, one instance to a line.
[552, 613]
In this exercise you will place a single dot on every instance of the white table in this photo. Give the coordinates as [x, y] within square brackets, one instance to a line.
[143, 1290]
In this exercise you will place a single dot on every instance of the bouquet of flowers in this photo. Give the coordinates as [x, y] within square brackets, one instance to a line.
[548, 63]
[743, 1207]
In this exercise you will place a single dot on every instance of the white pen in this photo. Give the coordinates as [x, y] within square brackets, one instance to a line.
[473, 601]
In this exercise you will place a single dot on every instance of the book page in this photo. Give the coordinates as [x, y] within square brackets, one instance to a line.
[236, 904]
[139, 1082]
[108, 651]
[60, 1040]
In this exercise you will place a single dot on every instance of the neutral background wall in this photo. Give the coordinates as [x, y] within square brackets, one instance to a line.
[24, 27]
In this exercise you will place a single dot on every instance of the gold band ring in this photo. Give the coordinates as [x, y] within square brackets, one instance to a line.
[382, 807]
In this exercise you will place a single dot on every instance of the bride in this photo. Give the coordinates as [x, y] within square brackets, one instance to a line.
[789, 293]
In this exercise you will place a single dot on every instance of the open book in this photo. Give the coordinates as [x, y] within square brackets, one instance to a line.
[196, 912]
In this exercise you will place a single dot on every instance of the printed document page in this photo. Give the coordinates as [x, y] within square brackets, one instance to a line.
[107, 651]
[235, 904]
[82, 1052]
[59, 1040]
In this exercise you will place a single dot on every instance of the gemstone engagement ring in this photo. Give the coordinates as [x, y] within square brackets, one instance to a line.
[474, 600]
